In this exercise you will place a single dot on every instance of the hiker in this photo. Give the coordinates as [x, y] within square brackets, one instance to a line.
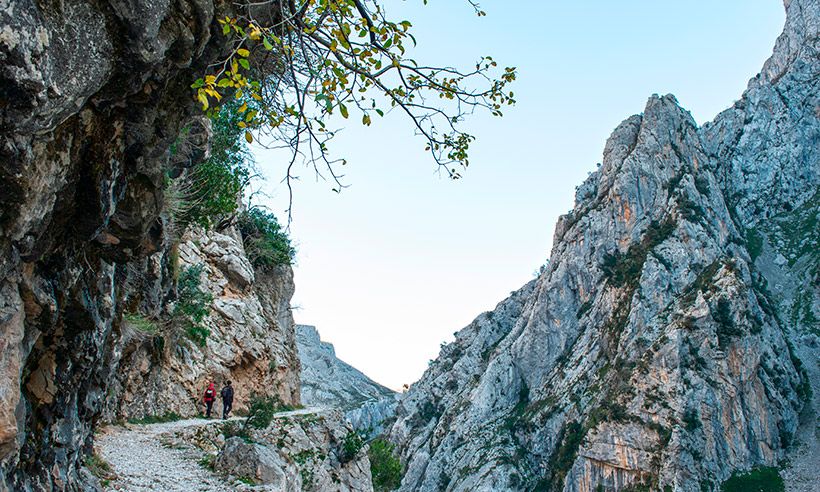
[210, 396]
[227, 399]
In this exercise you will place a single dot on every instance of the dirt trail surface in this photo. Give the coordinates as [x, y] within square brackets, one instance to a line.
[142, 462]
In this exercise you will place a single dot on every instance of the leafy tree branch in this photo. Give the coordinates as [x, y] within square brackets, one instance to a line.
[293, 64]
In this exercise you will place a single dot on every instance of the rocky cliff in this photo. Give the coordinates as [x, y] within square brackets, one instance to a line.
[660, 349]
[92, 95]
[328, 381]
[251, 340]
[302, 450]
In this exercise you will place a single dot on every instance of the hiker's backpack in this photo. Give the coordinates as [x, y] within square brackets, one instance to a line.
[209, 394]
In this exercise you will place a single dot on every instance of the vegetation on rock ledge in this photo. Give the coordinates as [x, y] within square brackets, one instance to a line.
[266, 244]
[385, 467]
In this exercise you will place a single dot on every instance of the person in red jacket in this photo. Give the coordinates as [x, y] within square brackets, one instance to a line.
[208, 398]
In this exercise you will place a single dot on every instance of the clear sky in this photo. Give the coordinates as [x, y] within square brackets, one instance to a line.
[402, 258]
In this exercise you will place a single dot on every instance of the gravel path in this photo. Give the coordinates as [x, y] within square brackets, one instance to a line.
[142, 463]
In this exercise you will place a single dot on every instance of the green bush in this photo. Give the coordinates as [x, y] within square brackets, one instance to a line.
[754, 243]
[351, 445]
[691, 420]
[624, 269]
[761, 479]
[156, 419]
[385, 467]
[212, 189]
[140, 323]
[192, 305]
[691, 211]
[207, 462]
[726, 327]
[234, 429]
[263, 408]
[266, 244]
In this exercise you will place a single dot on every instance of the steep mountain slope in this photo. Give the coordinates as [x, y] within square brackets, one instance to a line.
[651, 352]
[328, 381]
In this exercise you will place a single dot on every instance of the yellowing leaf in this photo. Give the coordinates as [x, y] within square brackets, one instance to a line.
[203, 98]
[249, 137]
[243, 52]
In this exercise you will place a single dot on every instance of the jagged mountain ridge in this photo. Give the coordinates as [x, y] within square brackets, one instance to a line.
[651, 351]
[329, 381]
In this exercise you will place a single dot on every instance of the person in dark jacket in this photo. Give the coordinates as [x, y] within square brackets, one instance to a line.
[227, 399]
[208, 398]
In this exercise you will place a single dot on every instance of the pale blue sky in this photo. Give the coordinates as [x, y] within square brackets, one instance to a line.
[401, 259]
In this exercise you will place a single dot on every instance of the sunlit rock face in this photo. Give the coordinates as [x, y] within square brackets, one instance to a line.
[662, 344]
[301, 451]
[330, 382]
[251, 343]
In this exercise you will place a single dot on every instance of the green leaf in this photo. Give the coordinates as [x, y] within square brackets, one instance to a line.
[244, 63]
[343, 109]
[267, 44]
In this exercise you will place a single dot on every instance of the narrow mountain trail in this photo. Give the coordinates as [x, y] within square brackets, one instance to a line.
[143, 463]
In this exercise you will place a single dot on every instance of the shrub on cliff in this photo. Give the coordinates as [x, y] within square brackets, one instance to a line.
[385, 467]
[192, 305]
[762, 479]
[266, 244]
[211, 190]
[218, 182]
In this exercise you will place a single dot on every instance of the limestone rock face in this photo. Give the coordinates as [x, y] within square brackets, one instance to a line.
[259, 462]
[332, 383]
[328, 381]
[370, 418]
[300, 452]
[251, 340]
[93, 94]
[661, 345]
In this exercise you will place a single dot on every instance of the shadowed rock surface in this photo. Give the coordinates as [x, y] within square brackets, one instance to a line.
[92, 95]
